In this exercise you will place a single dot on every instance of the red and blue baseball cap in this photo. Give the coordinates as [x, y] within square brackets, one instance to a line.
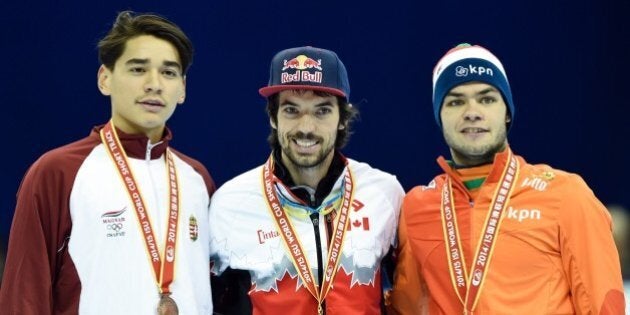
[307, 68]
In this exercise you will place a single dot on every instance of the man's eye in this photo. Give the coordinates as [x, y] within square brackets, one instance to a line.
[454, 103]
[136, 70]
[290, 110]
[170, 73]
[324, 111]
[487, 100]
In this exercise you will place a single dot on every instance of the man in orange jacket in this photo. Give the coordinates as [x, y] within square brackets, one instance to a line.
[494, 234]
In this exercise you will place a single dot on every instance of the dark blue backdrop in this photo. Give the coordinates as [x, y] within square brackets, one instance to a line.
[567, 63]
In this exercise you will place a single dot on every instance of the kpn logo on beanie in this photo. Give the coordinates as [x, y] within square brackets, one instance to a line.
[462, 71]
[467, 63]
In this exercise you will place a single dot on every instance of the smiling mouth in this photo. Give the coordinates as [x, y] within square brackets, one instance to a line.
[305, 143]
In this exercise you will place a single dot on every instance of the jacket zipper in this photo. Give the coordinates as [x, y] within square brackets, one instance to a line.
[154, 187]
[318, 245]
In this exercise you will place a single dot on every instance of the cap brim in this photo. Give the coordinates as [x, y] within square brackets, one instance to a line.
[271, 90]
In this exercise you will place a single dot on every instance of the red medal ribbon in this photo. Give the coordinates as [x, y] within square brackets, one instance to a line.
[291, 239]
[468, 285]
[163, 265]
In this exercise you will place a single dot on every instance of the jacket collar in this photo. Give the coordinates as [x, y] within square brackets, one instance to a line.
[136, 145]
[324, 187]
[498, 164]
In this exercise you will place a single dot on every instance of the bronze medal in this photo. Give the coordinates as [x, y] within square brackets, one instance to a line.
[167, 306]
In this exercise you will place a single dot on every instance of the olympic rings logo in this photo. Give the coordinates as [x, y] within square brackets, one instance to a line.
[115, 227]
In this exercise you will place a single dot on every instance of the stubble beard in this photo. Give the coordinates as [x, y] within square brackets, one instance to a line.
[472, 155]
[305, 163]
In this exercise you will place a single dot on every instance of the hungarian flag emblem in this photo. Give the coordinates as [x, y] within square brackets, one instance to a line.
[193, 228]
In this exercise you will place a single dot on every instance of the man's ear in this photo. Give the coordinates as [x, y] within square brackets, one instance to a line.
[182, 98]
[273, 124]
[508, 118]
[103, 78]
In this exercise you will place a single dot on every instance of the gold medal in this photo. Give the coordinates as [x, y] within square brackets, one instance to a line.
[167, 306]
[320, 309]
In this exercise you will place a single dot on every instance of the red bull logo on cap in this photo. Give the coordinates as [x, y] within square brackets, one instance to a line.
[302, 64]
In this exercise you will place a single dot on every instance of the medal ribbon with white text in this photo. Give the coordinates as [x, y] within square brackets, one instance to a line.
[291, 239]
[468, 285]
[163, 268]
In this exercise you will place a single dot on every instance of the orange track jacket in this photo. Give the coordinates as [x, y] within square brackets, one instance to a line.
[554, 253]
